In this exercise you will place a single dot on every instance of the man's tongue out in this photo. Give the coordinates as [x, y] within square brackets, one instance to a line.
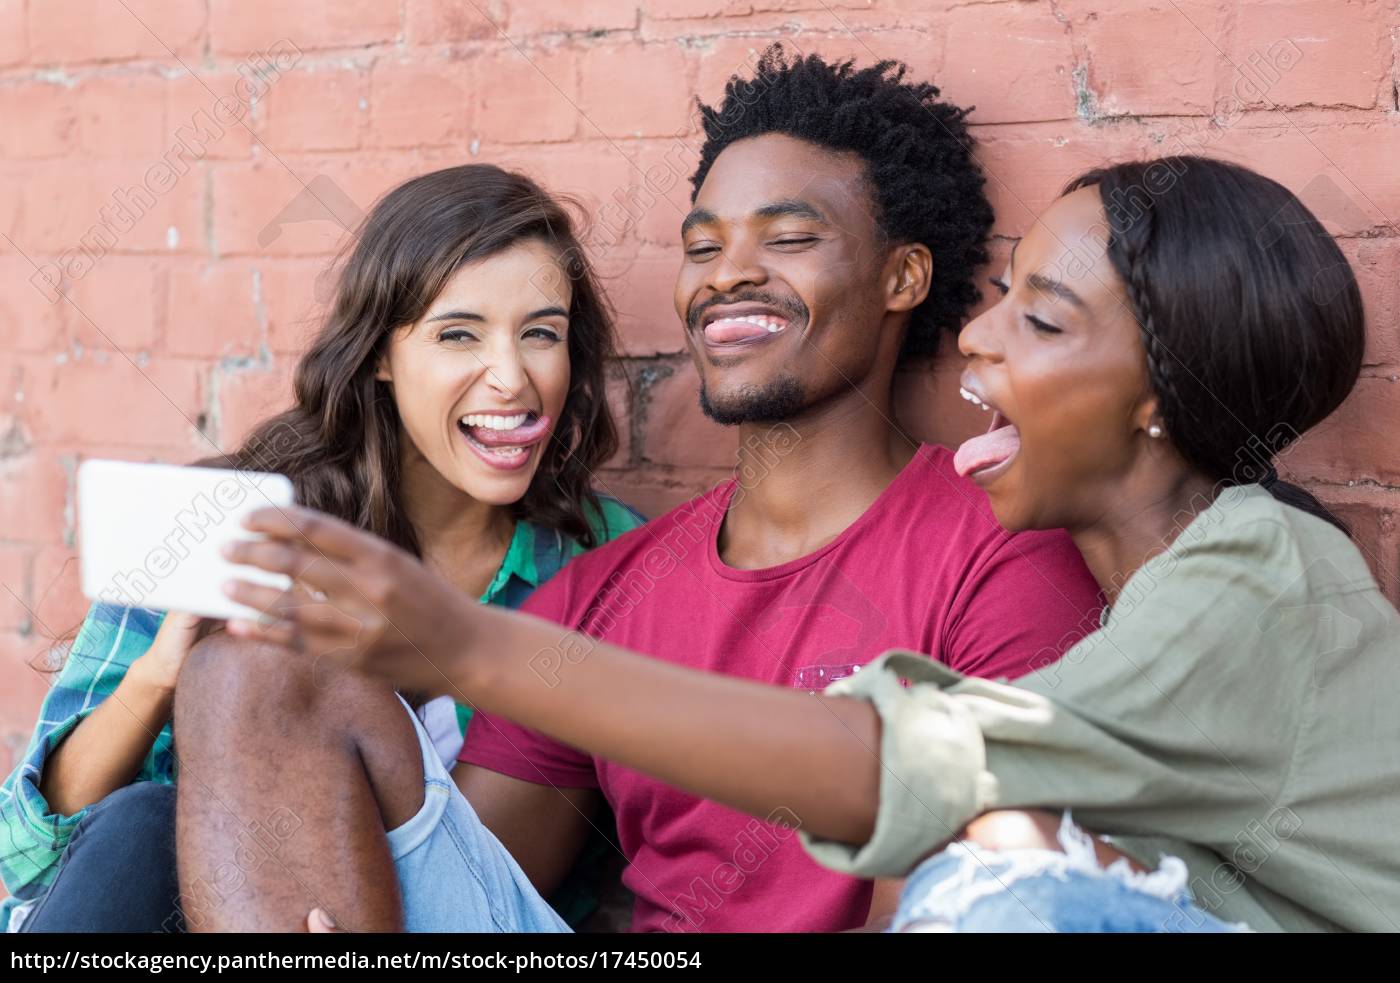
[998, 444]
[731, 329]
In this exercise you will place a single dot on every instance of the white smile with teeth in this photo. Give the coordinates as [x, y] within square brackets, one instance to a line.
[973, 398]
[492, 422]
[767, 323]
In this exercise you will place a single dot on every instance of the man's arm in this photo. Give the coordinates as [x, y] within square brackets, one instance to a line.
[542, 826]
[754, 747]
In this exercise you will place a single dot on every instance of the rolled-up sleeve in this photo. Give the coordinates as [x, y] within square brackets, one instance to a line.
[1175, 719]
[933, 776]
[33, 836]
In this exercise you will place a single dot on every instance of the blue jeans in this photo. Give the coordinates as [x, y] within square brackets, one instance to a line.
[968, 889]
[454, 874]
[117, 873]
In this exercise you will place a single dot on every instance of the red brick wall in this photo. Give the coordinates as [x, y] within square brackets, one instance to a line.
[180, 324]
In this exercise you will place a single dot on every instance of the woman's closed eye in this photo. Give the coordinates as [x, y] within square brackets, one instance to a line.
[456, 336]
[1040, 325]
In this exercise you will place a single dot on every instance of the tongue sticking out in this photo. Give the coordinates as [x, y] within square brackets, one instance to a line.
[722, 332]
[530, 431]
[993, 447]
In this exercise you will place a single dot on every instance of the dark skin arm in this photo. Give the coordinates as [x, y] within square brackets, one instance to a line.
[753, 747]
[756, 748]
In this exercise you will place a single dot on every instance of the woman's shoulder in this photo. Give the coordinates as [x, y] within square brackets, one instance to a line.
[1248, 527]
[539, 553]
[1243, 527]
[612, 518]
[1246, 559]
[552, 549]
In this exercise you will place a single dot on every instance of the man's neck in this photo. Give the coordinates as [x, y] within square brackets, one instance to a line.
[804, 481]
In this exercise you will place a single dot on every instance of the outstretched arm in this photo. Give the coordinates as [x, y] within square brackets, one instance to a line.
[756, 748]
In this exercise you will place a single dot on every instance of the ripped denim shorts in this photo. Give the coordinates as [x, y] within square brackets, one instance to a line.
[966, 888]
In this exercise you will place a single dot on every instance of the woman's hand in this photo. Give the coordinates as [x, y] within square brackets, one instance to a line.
[160, 666]
[369, 605]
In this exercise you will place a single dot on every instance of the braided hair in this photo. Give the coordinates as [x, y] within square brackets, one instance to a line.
[1250, 315]
[924, 182]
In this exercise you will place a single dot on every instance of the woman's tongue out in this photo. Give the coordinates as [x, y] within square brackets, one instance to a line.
[503, 446]
[990, 450]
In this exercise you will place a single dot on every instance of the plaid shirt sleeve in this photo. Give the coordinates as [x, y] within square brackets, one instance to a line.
[32, 838]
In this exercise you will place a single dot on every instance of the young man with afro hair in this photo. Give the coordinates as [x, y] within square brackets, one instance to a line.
[836, 226]
[838, 220]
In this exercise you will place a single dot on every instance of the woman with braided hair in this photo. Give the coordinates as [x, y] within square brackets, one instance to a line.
[1165, 330]
[1228, 727]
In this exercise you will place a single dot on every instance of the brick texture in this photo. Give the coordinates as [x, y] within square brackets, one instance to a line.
[168, 156]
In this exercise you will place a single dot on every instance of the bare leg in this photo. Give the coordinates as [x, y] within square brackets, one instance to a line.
[288, 780]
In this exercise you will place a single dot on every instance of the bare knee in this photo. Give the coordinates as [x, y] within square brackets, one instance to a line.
[232, 679]
[237, 702]
[229, 682]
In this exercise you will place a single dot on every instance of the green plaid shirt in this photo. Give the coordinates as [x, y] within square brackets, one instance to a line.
[33, 838]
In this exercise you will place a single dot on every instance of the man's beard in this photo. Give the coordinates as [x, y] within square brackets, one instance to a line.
[779, 400]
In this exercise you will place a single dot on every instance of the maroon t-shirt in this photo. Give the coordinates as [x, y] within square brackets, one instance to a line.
[925, 568]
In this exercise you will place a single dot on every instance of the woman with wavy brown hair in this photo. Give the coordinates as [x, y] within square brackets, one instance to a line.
[453, 403]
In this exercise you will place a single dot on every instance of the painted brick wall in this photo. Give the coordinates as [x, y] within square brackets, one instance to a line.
[155, 157]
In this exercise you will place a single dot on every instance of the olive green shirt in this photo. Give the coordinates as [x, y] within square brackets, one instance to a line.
[1237, 709]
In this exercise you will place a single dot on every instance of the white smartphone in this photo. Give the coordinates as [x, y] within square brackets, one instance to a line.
[150, 534]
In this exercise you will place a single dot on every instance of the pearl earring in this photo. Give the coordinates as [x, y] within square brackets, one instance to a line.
[1154, 431]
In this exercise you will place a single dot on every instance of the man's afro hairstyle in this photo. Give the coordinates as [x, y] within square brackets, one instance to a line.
[926, 185]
